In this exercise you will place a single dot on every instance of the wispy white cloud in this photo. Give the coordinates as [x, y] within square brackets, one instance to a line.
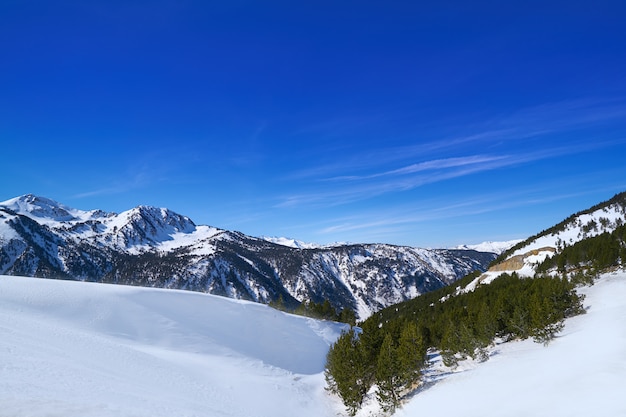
[516, 139]
[432, 165]
[497, 134]
[344, 190]
[381, 222]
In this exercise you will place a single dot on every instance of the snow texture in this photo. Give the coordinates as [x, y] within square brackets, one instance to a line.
[293, 243]
[74, 348]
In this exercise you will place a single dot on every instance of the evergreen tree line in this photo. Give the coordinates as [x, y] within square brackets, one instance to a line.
[390, 350]
[617, 200]
[321, 311]
[587, 256]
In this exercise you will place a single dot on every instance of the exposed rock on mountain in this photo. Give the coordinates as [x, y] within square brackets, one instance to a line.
[156, 247]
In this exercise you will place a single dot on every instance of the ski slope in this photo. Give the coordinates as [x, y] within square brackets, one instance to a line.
[82, 349]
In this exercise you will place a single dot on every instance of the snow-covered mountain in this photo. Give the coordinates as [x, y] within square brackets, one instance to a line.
[524, 257]
[604, 217]
[143, 351]
[294, 243]
[494, 247]
[156, 247]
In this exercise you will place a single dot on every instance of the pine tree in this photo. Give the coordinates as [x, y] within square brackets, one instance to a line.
[388, 371]
[450, 346]
[347, 315]
[411, 353]
[346, 371]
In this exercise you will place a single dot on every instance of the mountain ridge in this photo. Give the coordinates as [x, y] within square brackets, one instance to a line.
[157, 247]
[604, 217]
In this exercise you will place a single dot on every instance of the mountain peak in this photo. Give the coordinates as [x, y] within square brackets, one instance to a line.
[157, 247]
[159, 220]
[30, 204]
[30, 199]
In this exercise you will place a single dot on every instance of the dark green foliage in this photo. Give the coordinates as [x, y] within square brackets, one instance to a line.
[458, 324]
[462, 324]
[592, 254]
[347, 373]
[321, 311]
[388, 374]
[618, 199]
[347, 315]
[325, 311]
[411, 352]
[399, 364]
[460, 341]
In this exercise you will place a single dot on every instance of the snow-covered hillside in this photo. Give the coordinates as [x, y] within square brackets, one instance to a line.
[580, 374]
[98, 350]
[583, 226]
[524, 257]
[84, 349]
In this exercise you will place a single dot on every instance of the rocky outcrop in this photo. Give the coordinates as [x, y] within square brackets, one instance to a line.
[517, 262]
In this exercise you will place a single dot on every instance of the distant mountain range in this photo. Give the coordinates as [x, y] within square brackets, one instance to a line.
[156, 247]
[494, 247]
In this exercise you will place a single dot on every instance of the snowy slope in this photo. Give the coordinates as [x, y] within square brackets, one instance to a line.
[581, 373]
[586, 225]
[72, 348]
[524, 257]
[84, 349]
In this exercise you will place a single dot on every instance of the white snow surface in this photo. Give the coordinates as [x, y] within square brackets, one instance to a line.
[74, 348]
[47, 211]
[83, 349]
[605, 219]
[493, 247]
[298, 244]
[581, 373]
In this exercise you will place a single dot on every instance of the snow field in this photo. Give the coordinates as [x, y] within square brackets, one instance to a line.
[72, 348]
[97, 350]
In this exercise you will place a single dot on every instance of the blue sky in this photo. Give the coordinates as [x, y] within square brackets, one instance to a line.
[417, 123]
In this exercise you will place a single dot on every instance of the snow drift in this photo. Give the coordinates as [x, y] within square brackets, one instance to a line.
[73, 348]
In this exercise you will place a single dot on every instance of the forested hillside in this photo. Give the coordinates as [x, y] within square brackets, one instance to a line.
[389, 349]
[602, 217]
[588, 256]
